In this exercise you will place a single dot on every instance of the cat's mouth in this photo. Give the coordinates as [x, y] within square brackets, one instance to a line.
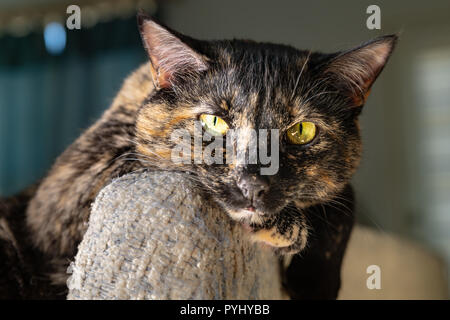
[252, 215]
[255, 213]
[251, 209]
[249, 215]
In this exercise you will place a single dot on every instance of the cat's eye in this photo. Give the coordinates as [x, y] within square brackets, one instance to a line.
[214, 125]
[301, 132]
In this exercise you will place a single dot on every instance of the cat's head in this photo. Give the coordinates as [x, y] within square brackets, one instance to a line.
[313, 99]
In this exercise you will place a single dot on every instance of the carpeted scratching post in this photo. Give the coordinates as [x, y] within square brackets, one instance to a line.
[152, 236]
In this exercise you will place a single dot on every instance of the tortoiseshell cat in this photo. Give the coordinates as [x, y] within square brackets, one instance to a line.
[314, 99]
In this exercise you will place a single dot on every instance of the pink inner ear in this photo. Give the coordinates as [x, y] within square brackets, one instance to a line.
[168, 54]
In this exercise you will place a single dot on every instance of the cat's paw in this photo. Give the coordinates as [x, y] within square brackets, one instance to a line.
[271, 237]
[289, 242]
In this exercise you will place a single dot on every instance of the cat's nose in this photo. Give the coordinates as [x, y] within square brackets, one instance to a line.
[253, 187]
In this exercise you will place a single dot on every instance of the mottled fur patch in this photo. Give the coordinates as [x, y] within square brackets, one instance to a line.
[249, 85]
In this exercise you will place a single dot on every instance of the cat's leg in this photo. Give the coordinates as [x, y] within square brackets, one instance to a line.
[19, 268]
[286, 233]
[315, 273]
[316, 237]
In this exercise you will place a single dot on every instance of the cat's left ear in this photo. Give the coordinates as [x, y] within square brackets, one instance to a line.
[170, 55]
[355, 71]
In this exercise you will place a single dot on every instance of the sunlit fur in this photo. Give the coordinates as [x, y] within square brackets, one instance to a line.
[268, 86]
[249, 85]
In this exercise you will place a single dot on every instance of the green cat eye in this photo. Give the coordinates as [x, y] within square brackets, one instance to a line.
[301, 132]
[214, 125]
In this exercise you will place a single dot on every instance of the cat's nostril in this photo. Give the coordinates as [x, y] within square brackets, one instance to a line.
[260, 193]
[245, 192]
[259, 190]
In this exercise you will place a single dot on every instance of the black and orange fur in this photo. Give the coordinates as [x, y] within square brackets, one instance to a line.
[309, 205]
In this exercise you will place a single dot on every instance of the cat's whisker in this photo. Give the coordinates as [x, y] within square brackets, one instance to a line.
[319, 94]
[300, 75]
[314, 86]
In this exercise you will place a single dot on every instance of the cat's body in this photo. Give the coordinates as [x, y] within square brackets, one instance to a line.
[58, 214]
[59, 206]
[307, 203]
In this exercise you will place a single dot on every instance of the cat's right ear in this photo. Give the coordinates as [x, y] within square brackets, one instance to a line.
[354, 71]
[171, 58]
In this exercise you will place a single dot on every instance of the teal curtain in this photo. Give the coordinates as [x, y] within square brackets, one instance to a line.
[47, 101]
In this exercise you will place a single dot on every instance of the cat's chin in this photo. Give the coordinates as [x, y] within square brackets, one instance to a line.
[260, 229]
[247, 217]
[252, 216]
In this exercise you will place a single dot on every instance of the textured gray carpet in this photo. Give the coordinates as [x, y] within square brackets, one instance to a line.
[151, 236]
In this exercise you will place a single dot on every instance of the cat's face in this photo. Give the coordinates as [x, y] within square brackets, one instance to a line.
[312, 99]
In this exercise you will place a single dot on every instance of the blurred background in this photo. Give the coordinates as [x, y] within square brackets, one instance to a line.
[55, 82]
